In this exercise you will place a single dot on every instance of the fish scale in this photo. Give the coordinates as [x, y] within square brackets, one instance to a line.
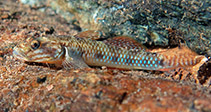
[118, 52]
[97, 53]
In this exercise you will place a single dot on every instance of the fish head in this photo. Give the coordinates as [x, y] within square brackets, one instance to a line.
[41, 50]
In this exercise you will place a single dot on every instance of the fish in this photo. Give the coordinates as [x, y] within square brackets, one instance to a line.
[122, 52]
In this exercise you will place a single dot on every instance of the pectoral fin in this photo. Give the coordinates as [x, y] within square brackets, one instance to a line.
[73, 60]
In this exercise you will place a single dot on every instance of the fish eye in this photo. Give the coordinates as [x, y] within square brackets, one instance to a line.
[35, 44]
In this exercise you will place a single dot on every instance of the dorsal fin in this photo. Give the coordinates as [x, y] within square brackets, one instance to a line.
[125, 42]
[89, 34]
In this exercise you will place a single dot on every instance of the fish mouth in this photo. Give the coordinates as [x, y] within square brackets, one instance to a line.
[18, 54]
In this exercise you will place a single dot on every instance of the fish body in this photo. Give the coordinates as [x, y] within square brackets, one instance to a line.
[119, 52]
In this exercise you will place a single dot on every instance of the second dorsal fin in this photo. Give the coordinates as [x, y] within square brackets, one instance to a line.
[124, 42]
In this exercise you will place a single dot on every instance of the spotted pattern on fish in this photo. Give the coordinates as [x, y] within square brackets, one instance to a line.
[74, 52]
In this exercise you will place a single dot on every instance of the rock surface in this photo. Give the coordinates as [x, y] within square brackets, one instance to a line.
[25, 87]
